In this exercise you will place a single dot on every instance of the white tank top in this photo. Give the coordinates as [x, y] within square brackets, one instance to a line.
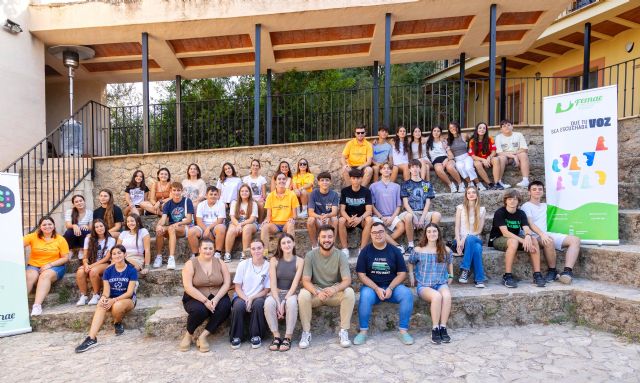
[400, 158]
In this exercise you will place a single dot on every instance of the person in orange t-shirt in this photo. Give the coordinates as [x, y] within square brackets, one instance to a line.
[358, 154]
[281, 205]
[49, 253]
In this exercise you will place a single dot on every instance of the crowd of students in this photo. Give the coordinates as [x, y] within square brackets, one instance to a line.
[115, 247]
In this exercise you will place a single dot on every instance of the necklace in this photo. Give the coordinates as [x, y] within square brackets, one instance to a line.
[254, 269]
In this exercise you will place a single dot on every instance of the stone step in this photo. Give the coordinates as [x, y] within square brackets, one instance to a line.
[629, 226]
[580, 303]
[613, 264]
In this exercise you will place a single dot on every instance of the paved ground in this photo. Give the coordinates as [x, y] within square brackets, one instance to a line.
[515, 354]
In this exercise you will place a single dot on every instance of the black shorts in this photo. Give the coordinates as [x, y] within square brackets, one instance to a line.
[439, 160]
[360, 226]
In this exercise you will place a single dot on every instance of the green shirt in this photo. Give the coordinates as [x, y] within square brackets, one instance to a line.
[326, 271]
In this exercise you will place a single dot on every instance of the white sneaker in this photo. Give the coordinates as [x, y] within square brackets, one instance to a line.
[82, 300]
[452, 187]
[401, 248]
[461, 187]
[345, 251]
[36, 310]
[303, 214]
[343, 335]
[171, 263]
[227, 258]
[523, 184]
[158, 261]
[481, 186]
[94, 300]
[305, 340]
[80, 254]
[217, 255]
[505, 185]
[244, 256]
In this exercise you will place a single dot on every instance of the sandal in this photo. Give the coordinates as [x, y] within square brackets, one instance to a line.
[285, 345]
[275, 344]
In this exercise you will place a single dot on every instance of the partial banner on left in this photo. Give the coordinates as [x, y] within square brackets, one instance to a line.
[14, 308]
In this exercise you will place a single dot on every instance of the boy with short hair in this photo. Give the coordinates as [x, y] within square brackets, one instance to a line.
[177, 213]
[381, 152]
[210, 219]
[355, 210]
[511, 232]
[386, 205]
[537, 215]
[323, 207]
[511, 148]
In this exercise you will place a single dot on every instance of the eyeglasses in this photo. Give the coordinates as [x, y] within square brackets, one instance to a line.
[360, 133]
[302, 164]
[377, 232]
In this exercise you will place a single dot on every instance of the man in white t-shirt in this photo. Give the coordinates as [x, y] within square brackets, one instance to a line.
[210, 219]
[511, 148]
[550, 242]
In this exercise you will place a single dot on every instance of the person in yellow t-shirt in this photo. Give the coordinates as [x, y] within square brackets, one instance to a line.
[281, 206]
[303, 185]
[358, 154]
[49, 253]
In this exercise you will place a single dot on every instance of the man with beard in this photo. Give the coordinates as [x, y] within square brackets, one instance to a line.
[326, 280]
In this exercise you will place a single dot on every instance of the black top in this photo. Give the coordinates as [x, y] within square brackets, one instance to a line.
[513, 221]
[355, 202]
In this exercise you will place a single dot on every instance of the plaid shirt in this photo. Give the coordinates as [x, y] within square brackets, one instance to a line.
[428, 271]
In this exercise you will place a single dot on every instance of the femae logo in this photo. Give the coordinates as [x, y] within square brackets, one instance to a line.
[7, 200]
[580, 103]
[7, 317]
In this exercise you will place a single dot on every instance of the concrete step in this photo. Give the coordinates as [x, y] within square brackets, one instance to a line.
[495, 305]
[629, 226]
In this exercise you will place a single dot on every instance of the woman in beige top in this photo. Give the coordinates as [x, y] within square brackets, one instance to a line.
[206, 281]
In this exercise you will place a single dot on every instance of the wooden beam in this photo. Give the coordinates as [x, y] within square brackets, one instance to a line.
[518, 59]
[625, 22]
[567, 44]
[543, 52]
[601, 35]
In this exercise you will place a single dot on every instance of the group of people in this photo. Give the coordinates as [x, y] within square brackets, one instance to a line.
[115, 247]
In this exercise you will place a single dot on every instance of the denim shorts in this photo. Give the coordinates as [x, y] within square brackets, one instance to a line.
[280, 227]
[436, 287]
[59, 270]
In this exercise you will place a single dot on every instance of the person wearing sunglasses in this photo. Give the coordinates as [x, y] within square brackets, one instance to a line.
[303, 185]
[358, 154]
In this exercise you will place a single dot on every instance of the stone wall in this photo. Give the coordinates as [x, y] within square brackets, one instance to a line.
[115, 172]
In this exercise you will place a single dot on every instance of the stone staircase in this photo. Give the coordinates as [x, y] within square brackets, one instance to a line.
[605, 293]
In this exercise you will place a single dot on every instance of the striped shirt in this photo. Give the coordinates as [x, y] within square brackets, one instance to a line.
[428, 271]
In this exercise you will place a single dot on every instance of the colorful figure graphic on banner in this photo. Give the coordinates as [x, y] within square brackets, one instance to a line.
[574, 164]
[555, 166]
[7, 200]
[602, 177]
[600, 145]
[565, 159]
[590, 157]
[575, 170]
[559, 185]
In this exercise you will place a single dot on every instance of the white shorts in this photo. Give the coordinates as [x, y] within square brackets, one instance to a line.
[557, 239]
[416, 218]
[391, 227]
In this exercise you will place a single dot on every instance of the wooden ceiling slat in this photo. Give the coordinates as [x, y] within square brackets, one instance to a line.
[236, 58]
[632, 15]
[212, 43]
[322, 34]
[609, 28]
[322, 51]
[515, 35]
[554, 48]
[427, 42]
[515, 18]
[412, 27]
[530, 56]
[118, 66]
[117, 49]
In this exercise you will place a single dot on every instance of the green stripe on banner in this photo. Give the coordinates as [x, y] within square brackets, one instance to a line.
[592, 221]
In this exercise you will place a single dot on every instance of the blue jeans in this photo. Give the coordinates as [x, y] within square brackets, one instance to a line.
[368, 298]
[473, 257]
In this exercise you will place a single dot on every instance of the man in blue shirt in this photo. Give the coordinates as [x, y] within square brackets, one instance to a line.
[382, 271]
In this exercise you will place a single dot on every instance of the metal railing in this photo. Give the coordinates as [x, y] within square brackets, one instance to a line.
[575, 6]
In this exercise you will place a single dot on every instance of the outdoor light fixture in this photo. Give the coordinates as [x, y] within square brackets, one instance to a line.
[538, 75]
[629, 47]
[71, 56]
[12, 27]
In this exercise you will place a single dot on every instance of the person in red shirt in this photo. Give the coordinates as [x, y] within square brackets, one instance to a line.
[482, 149]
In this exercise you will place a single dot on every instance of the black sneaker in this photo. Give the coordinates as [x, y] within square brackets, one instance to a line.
[538, 279]
[464, 276]
[443, 334]
[119, 328]
[491, 186]
[551, 276]
[509, 282]
[499, 186]
[235, 343]
[87, 344]
[566, 277]
[256, 342]
[435, 336]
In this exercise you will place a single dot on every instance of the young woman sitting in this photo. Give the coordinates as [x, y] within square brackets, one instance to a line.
[97, 250]
[77, 221]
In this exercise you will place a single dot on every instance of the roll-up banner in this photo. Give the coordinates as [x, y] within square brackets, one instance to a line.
[14, 309]
[581, 164]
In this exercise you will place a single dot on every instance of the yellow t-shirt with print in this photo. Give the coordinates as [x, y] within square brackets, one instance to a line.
[281, 207]
[357, 153]
[303, 179]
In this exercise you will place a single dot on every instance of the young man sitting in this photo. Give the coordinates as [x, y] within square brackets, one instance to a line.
[177, 214]
[357, 154]
[416, 196]
[282, 206]
[537, 215]
[510, 233]
[512, 149]
[323, 207]
[386, 205]
[210, 219]
[355, 210]
[381, 151]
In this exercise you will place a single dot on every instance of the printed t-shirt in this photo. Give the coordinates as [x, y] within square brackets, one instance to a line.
[281, 207]
[43, 252]
[243, 210]
[193, 189]
[102, 248]
[417, 193]
[326, 271]
[385, 197]
[210, 214]
[256, 186]
[253, 279]
[381, 152]
[357, 153]
[510, 144]
[355, 201]
[303, 179]
[119, 280]
[136, 194]
[177, 211]
[381, 266]
[480, 153]
[513, 221]
[322, 203]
